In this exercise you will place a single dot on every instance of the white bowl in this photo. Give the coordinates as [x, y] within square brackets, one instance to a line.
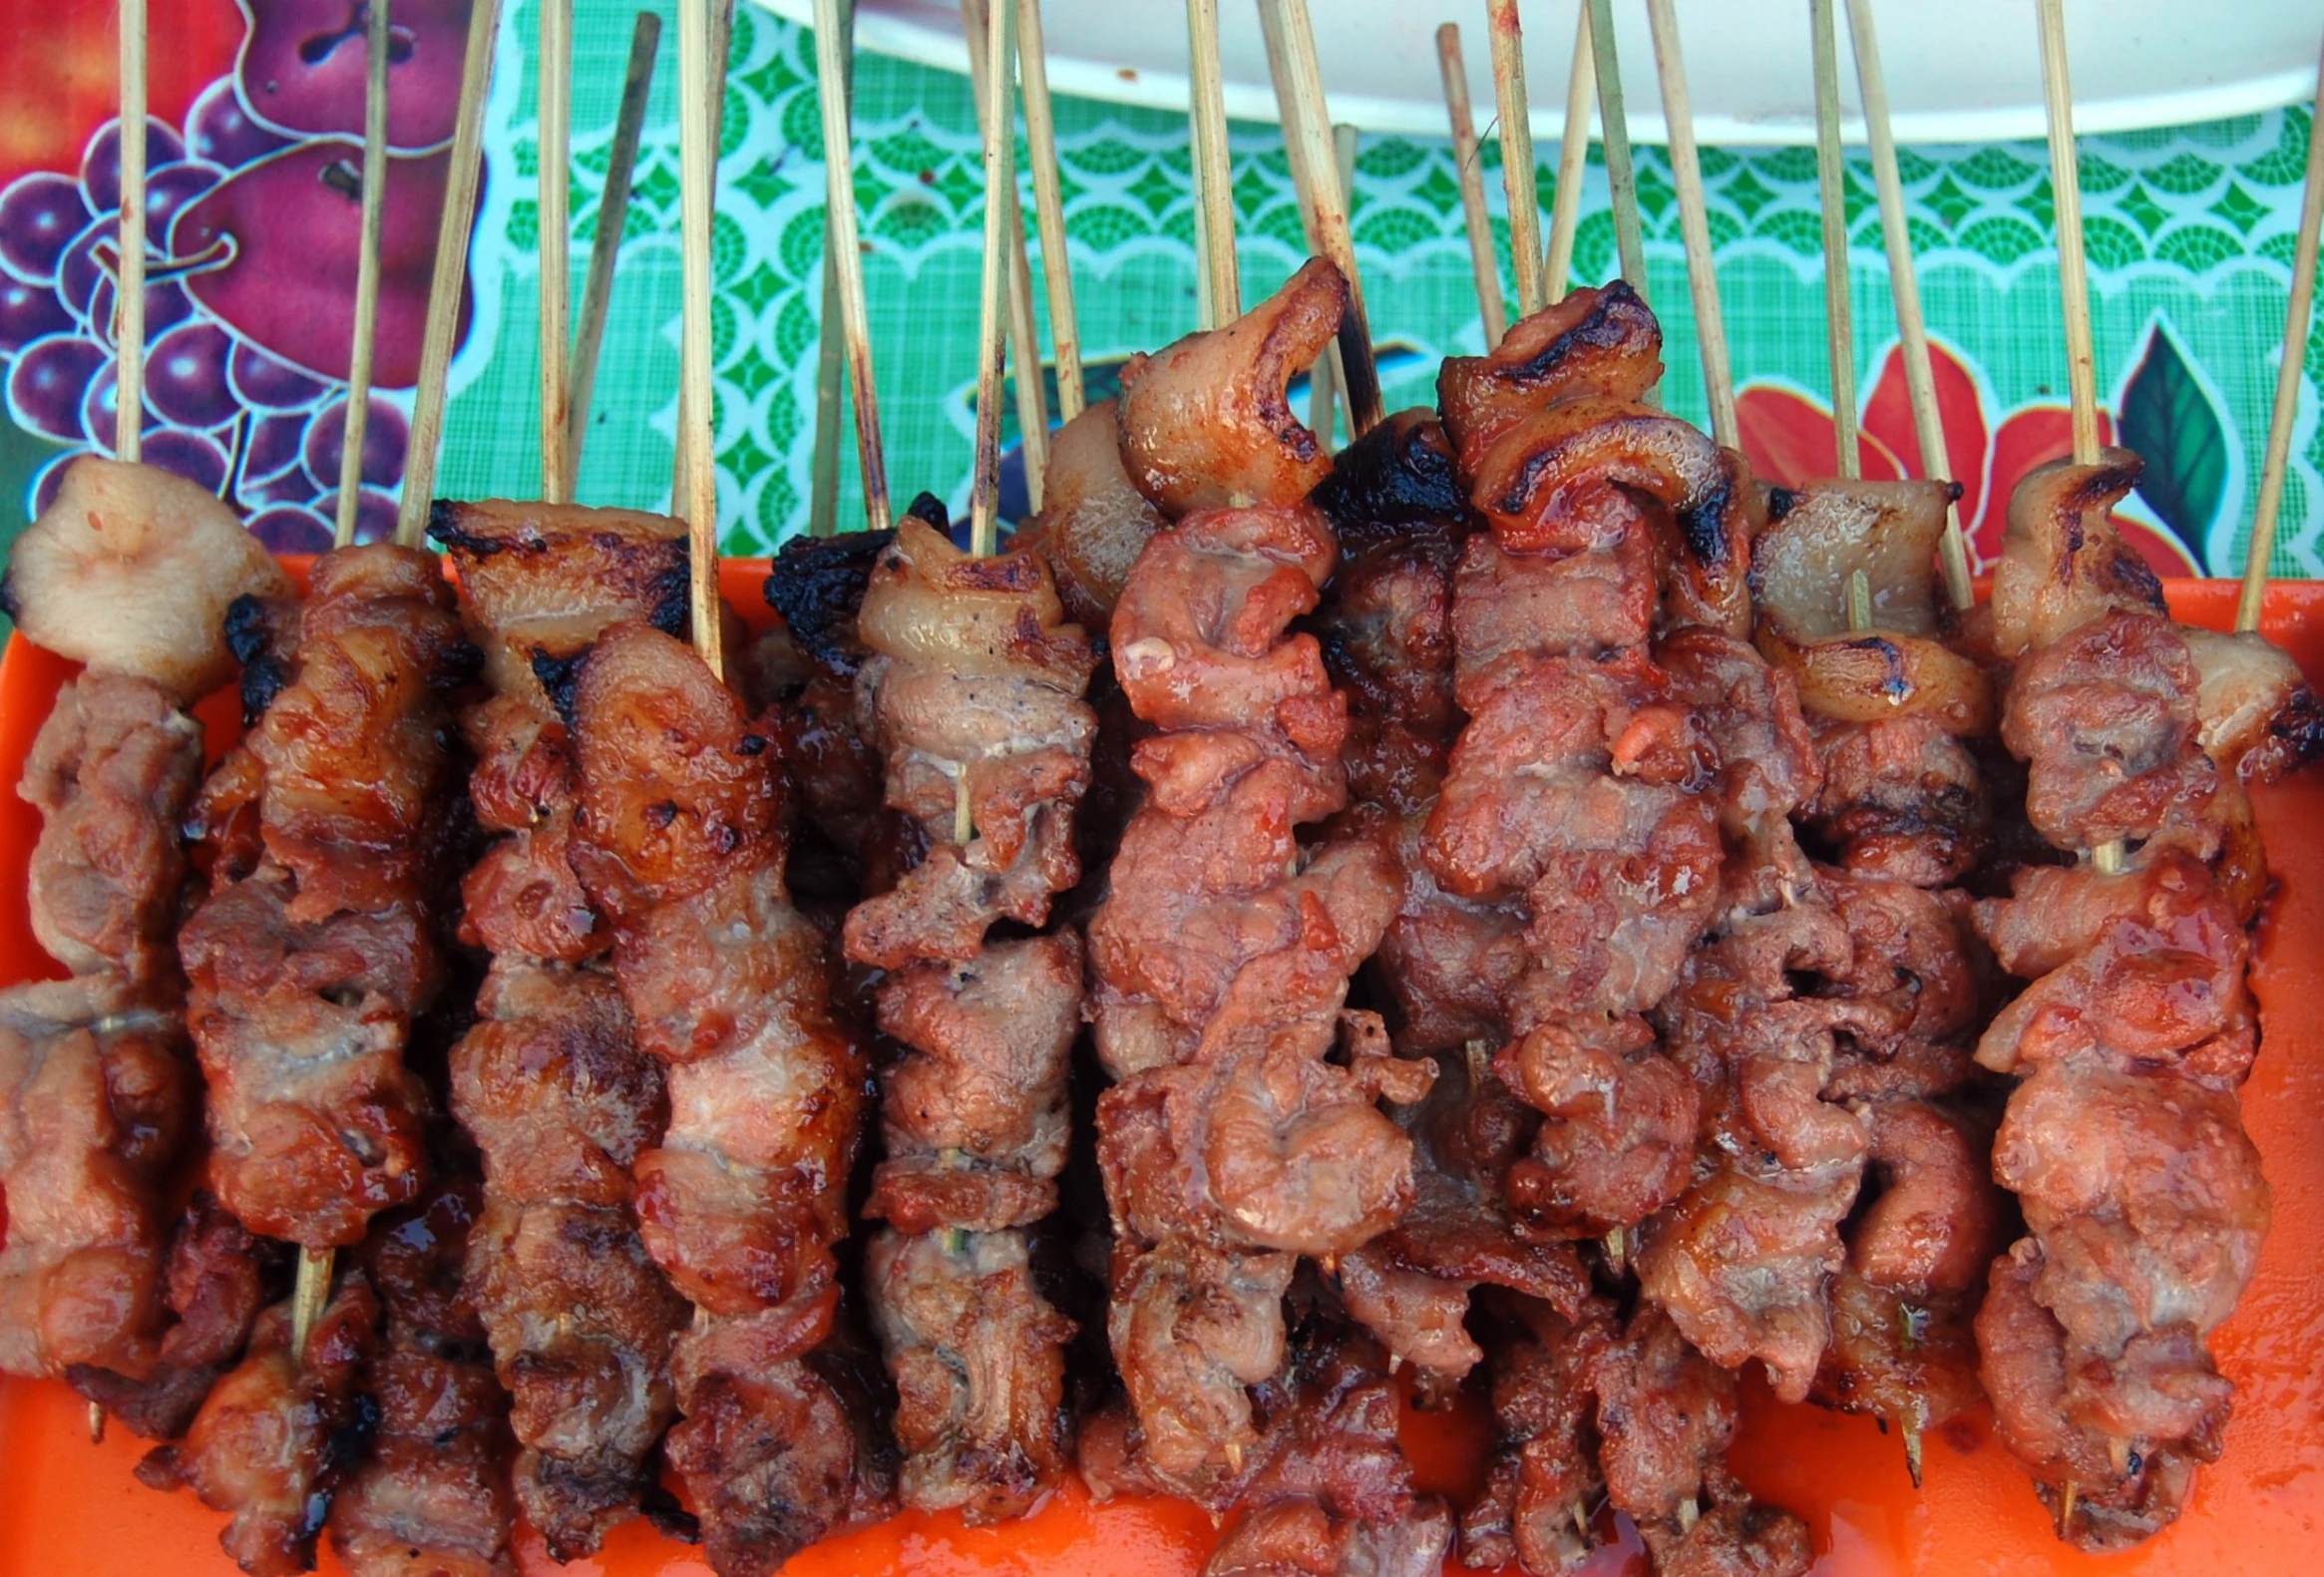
[1959, 71]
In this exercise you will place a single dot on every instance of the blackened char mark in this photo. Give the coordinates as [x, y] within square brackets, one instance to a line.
[818, 586]
[1394, 479]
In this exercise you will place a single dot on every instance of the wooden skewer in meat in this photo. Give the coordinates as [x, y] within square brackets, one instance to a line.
[551, 1081]
[973, 693]
[2124, 1141]
[129, 571]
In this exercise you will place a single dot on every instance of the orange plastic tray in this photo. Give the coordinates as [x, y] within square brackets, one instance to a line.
[70, 1509]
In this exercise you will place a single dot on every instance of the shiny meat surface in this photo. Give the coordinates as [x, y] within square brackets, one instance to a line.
[95, 1097]
[1602, 342]
[306, 974]
[2062, 563]
[1542, 1480]
[1205, 422]
[554, 1089]
[551, 1081]
[677, 842]
[431, 1496]
[1093, 522]
[1742, 1261]
[1328, 1493]
[219, 1280]
[972, 695]
[111, 772]
[1834, 529]
[974, 1112]
[1220, 962]
[277, 1435]
[546, 577]
[2124, 1140]
[977, 1355]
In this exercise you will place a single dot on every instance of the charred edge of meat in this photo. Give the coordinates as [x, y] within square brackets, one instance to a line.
[561, 677]
[928, 507]
[674, 597]
[1781, 501]
[1392, 475]
[667, 1512]
[2300, 726]
[818, 586]
[249, 637]
[1607, 327]
[444, 531]
[1702, 520]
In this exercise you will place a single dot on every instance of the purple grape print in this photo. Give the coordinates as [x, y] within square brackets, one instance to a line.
[79, 270]
[291, 530]
[185, 376]
[101, 164]
[48, 381]
[259, 380]
[40, 215]
[273, 448]
[220, 130]
[167, 194]
[190, 455]
[384, 436]
[167, 306]
[48, 479]
[28, 312]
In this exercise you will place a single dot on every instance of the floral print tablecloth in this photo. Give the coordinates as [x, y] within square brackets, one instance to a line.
[2190, 234]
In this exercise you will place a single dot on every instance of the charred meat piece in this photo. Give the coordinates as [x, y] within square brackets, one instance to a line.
[1221, 962]
[1205, 421]
[219, 1280]
[307, 973]
[279, 1434]
[94, 1098]
[677, 843]
[551, 1081]
[431, 1496]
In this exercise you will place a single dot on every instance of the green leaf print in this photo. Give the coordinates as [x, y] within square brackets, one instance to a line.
[2167, 418]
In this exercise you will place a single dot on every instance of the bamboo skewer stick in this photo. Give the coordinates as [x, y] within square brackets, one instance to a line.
[698, 164]
[1694, 224]
[359, 359]
[845, 253]
[991, 323]
[1573, 158]
[1920, 381]
[1278, 70]
[556, 228]
[1041, 135]
[129, 293]
[451, 274]
[1839, 318]
[2072, 291]
[1025, 337]
[1614, 134]
[1518, 177]
[1304, 79]
[831, 337]
[1493, 310]
[721, 33]
[2066, 195]
[1327, 389]
[1213, 176]
[2298, 312]
[606, 249]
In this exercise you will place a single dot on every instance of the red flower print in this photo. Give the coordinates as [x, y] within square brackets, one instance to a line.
[1788, 438]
